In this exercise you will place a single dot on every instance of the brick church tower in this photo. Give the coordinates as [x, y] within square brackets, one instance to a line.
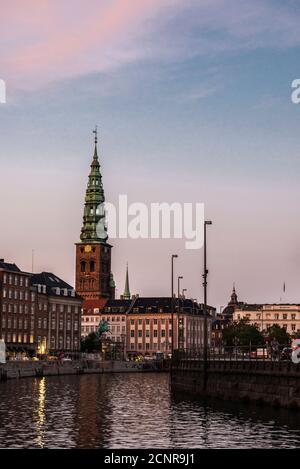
[94, 279]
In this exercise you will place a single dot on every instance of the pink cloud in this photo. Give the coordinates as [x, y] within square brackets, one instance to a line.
[50, 39]
[45, 40]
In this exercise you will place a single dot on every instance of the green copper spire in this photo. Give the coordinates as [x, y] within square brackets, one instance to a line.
[94, 228]
[126, 294]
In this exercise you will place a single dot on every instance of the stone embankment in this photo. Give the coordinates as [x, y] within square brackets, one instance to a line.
[20, 369]
[263, 382]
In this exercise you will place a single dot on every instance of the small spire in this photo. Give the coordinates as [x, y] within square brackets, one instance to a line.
[126, 294]
[96, 141]
[233, 298]
[96, 134]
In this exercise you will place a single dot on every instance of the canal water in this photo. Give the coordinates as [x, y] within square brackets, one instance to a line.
[132, 411]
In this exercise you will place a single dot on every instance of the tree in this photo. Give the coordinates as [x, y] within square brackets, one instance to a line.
[278, 333]
[91, 343]
[242, 333]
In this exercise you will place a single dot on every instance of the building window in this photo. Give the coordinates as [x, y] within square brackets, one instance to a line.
[82, 266]
[92, 266]
[132, 333]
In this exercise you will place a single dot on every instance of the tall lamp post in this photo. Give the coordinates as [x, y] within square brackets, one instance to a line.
[178, 313]
[205, 304]
[174, 256]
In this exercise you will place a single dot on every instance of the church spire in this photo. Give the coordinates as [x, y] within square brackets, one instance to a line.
[233, 298]
[126, 294]
[94, 227]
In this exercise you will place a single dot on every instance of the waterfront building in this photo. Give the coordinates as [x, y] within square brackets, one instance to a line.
[58, 315]
[17, 309]
[144, 325]
[39, 313]
[266, 315]
[260, 314]
[149, 325]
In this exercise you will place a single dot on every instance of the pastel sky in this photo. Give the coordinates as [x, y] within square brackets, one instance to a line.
[193, 102]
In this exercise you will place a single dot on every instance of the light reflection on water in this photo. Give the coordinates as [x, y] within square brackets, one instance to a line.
[132, 411]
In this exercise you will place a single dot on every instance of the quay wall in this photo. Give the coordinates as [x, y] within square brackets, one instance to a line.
[18, 369]
[265, 382]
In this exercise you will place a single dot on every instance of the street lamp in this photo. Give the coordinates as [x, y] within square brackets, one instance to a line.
[194, 300]
[178, 311]
[174, 256]
[205, 304]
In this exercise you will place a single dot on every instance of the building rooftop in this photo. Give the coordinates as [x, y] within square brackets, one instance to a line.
[53, 284]
[8, 266]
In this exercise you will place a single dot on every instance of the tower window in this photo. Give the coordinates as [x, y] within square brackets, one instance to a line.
[92, 266]
[82, 266]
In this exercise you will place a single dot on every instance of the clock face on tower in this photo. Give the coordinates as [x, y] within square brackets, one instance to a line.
[87, 248]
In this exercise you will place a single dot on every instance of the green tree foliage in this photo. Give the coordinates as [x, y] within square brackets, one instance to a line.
[278, 333]
[91, 343]
[242, 333]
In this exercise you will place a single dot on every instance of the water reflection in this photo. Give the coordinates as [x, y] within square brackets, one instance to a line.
[132, 411]
[40, 414]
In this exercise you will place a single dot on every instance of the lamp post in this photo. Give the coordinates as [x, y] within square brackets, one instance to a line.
[205, 304]
[178, 312]
[194, 300]
[174, 256]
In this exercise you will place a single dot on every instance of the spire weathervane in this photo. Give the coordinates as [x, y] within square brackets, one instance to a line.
[96, 134]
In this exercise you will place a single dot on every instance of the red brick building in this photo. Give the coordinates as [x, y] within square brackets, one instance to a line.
[39, 313]
[17, 309]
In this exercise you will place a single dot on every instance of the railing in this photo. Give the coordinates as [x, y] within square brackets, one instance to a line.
[237, 353]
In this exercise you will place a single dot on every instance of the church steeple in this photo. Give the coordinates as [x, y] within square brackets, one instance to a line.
[94, 227]
[94, 280]
[126, 294]
[233, 299]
